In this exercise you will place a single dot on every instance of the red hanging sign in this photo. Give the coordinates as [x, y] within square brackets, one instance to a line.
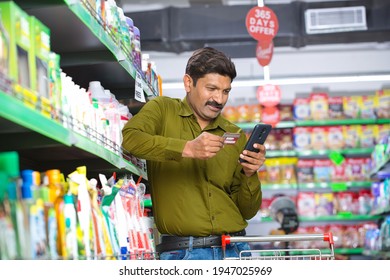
[262, 23]
[264, 52]
[269, 95]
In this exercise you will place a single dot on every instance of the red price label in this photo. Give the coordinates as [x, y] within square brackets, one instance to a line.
[264, 52]
[269, 95]
[262, 23]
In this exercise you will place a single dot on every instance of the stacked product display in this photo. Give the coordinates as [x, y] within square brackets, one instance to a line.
[31, 74]
[44, 215]
[324, 154]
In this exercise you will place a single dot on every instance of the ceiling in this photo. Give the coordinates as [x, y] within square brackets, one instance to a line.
[181, 26]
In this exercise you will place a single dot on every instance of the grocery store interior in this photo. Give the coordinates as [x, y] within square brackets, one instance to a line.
[327, 167]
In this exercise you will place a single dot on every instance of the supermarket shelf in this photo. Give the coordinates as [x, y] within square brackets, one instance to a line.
[332, 218]
[345, 251]
[339, 251]
[339, 217]
[271, 154]
[326, 153]
[40, 140]
[334, 186]
[17, 112]
[116, 160]
[87, 45]
[334, 122]
[251, 125]
[97, 29]
[377, 254]
[279, 186]
[383, 121]
[291, 124]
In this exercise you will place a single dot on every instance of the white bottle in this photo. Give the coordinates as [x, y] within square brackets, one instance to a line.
[70, 227]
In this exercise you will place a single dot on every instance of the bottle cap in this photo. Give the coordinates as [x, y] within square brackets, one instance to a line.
[9, 163]
[68, 199]
[27, 183]
[54, 176]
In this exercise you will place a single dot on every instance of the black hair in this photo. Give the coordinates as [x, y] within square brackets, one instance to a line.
[209, 60]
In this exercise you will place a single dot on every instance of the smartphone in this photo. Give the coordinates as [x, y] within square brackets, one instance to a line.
[258, 135]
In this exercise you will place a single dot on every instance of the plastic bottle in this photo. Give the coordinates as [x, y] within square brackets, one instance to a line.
[56, 193]
[385, 234]
[8, 250]
[108, 209]
[99, 247]
[50, 219]
[39, 196]
[70, 227]
[130, 26]
[121, 222]
[125, 34]
[84, 213]
[28, 214]
[137, 48]
[9, 164]
[97, 91]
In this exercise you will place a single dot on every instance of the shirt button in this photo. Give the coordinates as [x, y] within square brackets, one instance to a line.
[212, 218]
[209, 194]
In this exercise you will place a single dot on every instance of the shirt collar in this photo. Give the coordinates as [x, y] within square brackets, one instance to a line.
[186, 111]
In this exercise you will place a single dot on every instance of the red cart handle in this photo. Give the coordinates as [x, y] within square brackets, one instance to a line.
[329, 237]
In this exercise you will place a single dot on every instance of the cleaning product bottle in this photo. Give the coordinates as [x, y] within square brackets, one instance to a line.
[121, 222]
[100, 250]
[137, 48]
[29, 213]
[70, 227]
[84, 213]
[56, 193]
[130, 26]
[50, 219]
[9, 164]
[8, 250]
[106, 206]
[38, 195]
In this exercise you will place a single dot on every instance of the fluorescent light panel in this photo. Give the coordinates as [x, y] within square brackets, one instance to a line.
[297, 81]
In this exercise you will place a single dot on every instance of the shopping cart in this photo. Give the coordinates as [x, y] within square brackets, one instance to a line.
[284, 253]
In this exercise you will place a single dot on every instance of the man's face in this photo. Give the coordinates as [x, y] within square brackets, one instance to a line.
[208, 97]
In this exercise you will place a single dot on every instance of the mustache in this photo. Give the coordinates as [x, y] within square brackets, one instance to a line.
[214, 104]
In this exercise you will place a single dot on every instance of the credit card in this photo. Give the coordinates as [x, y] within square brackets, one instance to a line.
[230, 138]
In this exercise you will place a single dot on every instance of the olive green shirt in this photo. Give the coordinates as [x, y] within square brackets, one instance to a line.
[191, 197]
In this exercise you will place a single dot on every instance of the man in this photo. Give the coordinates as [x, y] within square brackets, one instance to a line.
[199, 189]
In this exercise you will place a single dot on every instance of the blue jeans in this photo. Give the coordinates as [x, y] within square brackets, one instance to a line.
[208, 253]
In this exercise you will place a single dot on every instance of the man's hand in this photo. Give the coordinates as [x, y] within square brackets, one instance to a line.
[253, 160]
[205, 146]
